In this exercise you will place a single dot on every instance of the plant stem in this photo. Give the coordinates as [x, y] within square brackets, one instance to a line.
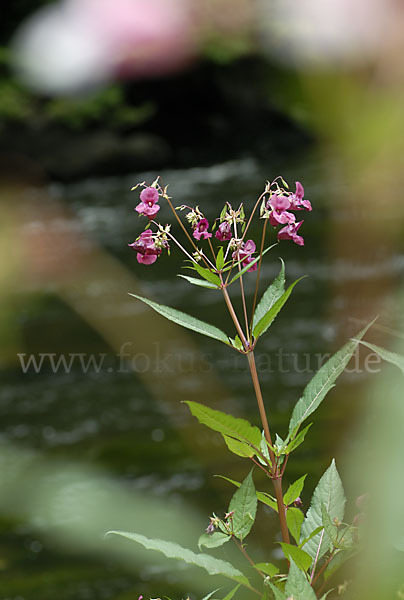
[234, 318]
[186, 232]
[243, 550]
[276, 476]
[259, 271]
[244, 305]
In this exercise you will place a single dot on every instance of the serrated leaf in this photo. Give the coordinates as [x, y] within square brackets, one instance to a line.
[213, 566]
[299, 439]
[329, 526]
[186, 320]
[297, 585]
[329, 492]
[278, 594]
[294, 520]
[244, 506]
[206, 274]
[220, 259]
[200, 282]
[251, 264]
[239, 448]
[267, 568]
[232, 592]
[225, 424]
[213, 540]
[268, 500]
[264, 323]
[313, 533]
[299, 556]
[273, 292]
[261, 496]
[294, 491]
[391, 357]
[322, 382]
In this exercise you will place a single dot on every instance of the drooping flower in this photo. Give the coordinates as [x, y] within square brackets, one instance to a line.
[148, 202]
[297, 201]
[147, 251]
[290, 233]
[244, 253]
[279, 215]
[223, 232]
[201, 230]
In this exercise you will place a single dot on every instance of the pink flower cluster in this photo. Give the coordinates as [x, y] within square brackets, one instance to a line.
[148, 202]
[147, 251]
[279, 207]
[244, 253]
[201, 230]
[223, 232]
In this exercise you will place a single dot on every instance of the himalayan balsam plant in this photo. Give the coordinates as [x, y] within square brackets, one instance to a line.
[314, 544]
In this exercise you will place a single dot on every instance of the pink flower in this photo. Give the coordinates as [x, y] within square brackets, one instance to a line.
[201, 230]
[279, 214]
[297, 202]
[148, 202]
[290, 233]
[223, 232]
[147, 252]
[245, 254]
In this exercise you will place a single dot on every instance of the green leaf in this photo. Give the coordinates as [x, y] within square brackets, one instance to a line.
[237, 343]
[186, 320]
[268, 318]
[244, 505]
[213, 566]
[322, 382]
[268, 500]
[210, 595]
[206, 274]
[391, 357]
[239, 448]
[247, 267]
[297, 585]
[278, 594]
[294, 520]
[299, 556]
[329, 526]
[294, 491]
[313, 533]
[329, 492]
[225, 424]
[271, 295]
[223, 213]
[232, 592]
[268, 568]
[220, 259]
[261, 496]
[299, 439]
[200, 282]
[213, 540]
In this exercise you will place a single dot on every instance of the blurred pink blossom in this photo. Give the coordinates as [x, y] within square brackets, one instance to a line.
[77, 44]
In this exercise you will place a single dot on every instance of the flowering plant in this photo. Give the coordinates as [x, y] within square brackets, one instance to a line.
[315, 543]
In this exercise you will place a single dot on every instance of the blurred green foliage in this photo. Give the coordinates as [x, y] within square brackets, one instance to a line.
[19, 105]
